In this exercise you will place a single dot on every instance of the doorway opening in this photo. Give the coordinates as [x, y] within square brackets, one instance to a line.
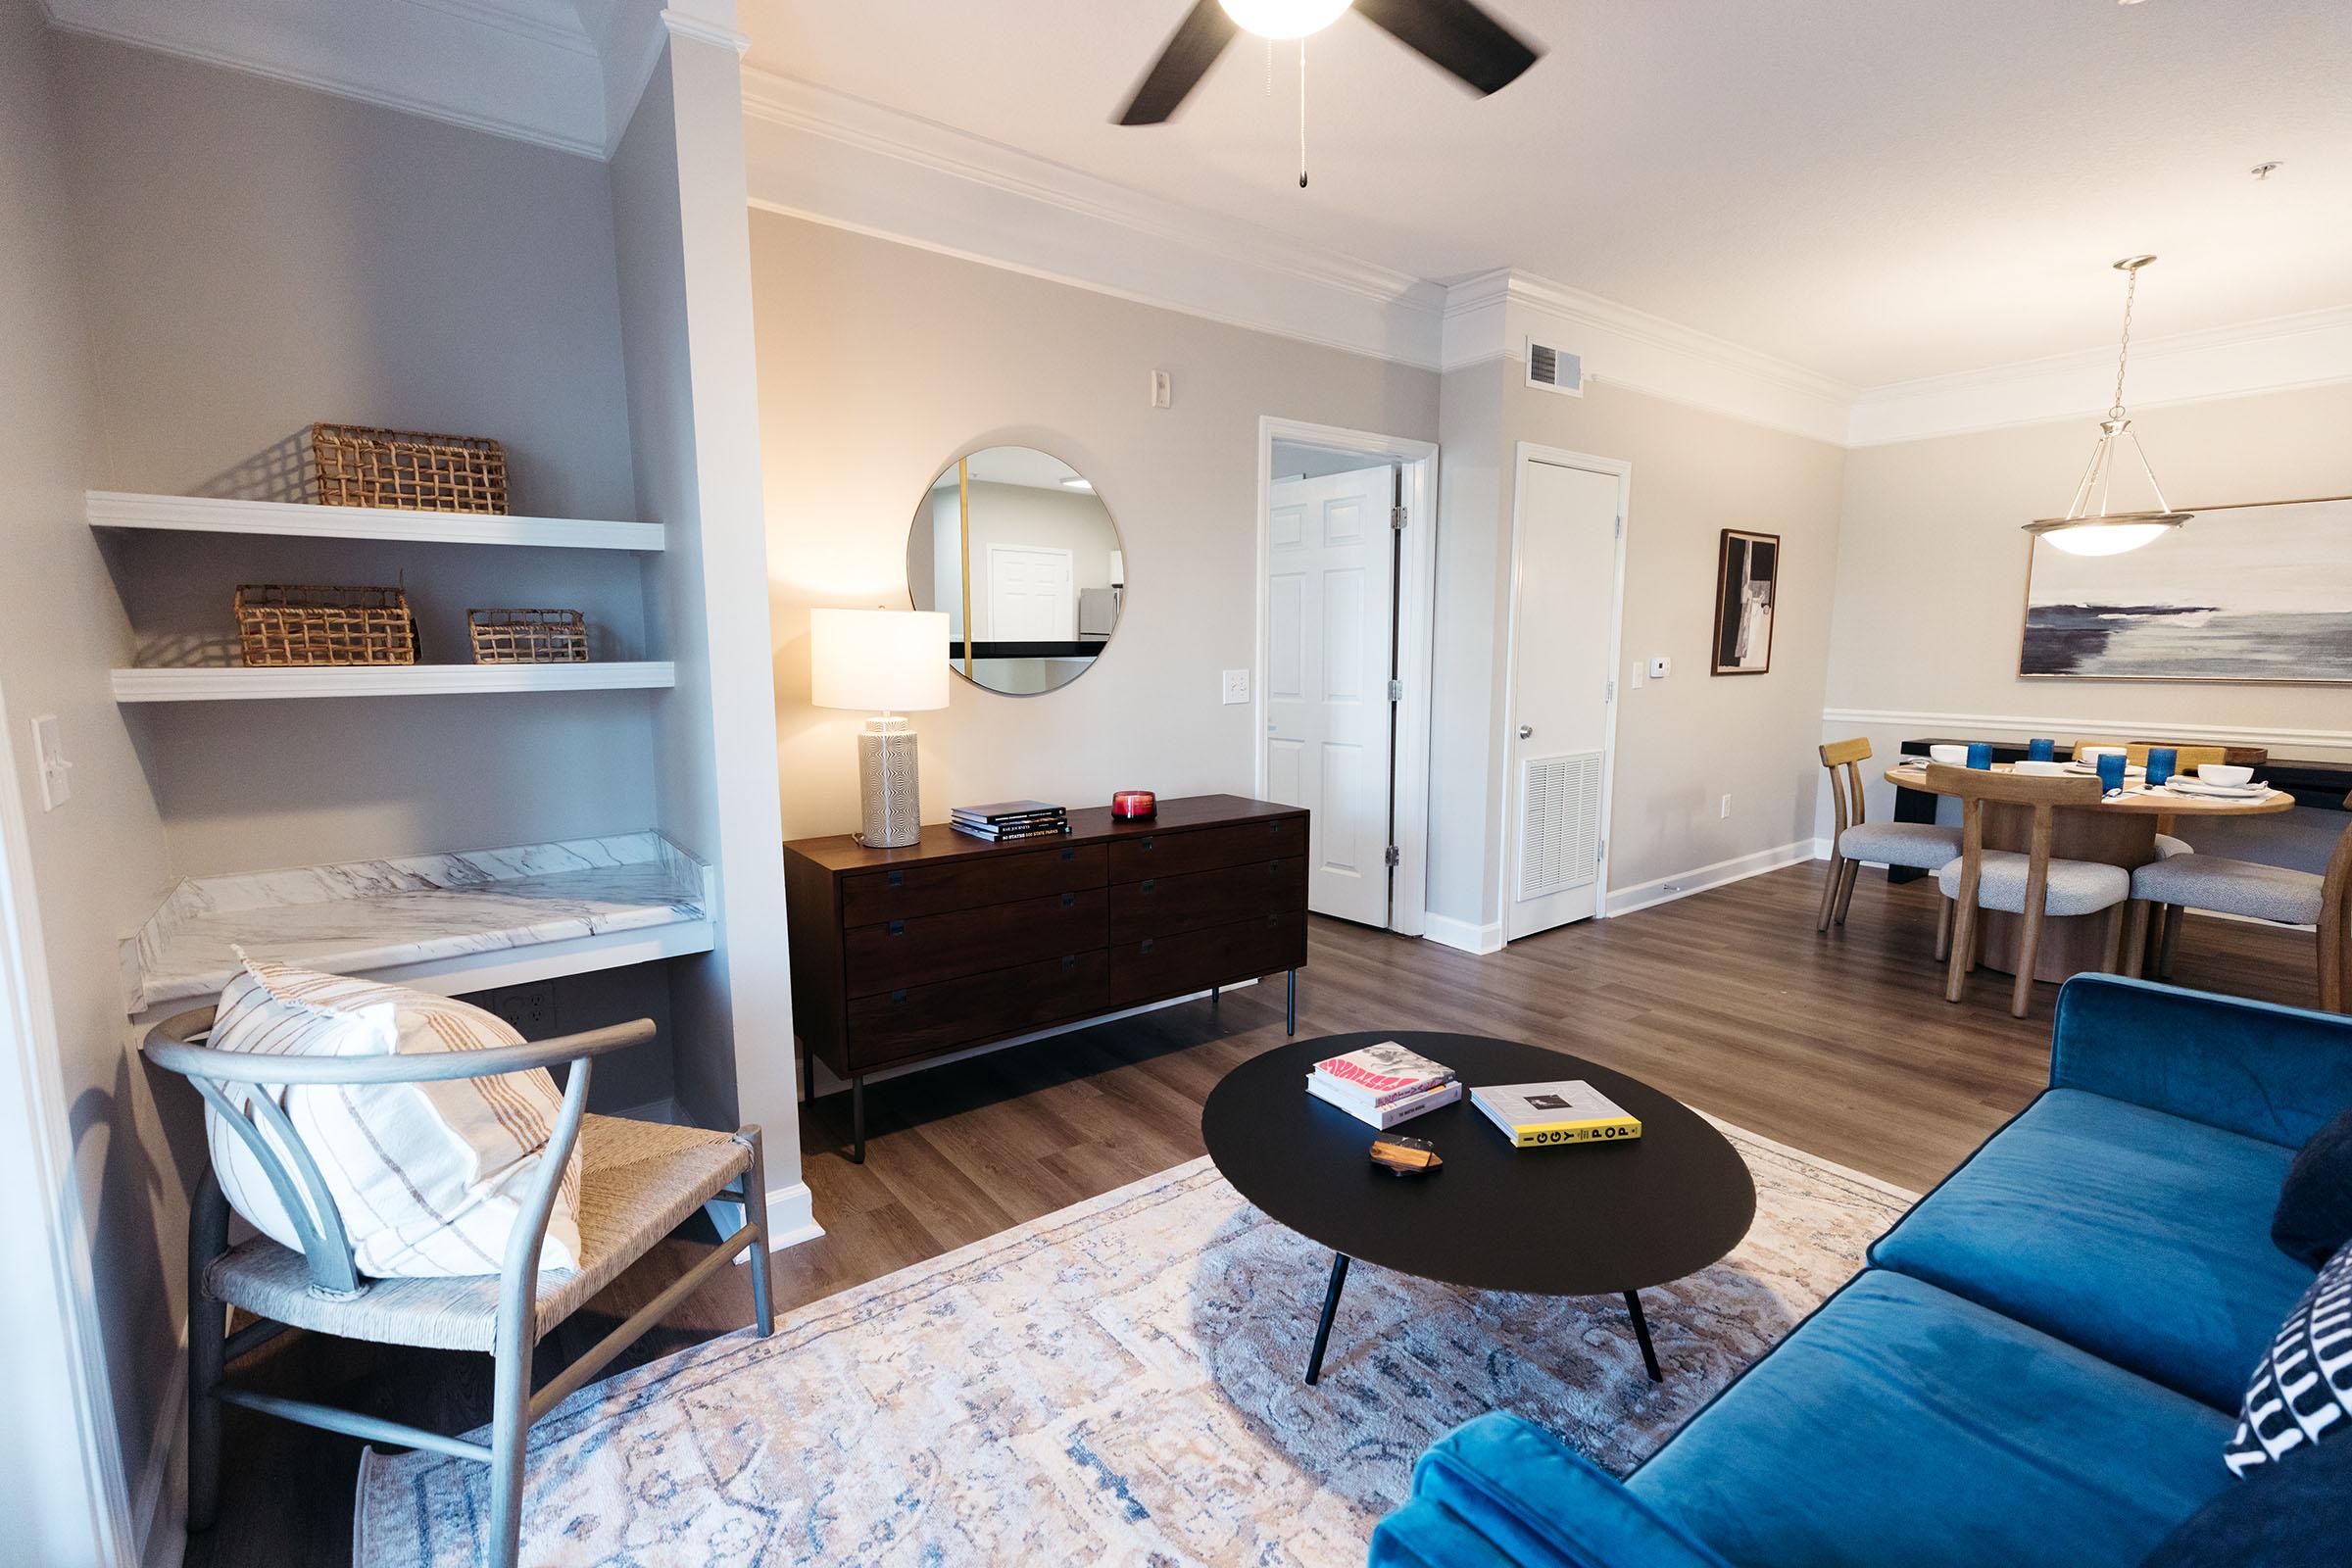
[1559, 714]
[1347, 556]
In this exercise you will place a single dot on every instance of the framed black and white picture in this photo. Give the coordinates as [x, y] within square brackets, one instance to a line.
[2258, 594]
[1748, 575]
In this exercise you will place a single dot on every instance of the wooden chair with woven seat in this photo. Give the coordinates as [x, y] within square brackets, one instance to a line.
[638, 1182]
[1920, 846]
[2032, 885]
[2185, 759]
[2255, 892]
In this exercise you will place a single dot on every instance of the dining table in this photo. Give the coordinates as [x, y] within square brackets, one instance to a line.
[2120, 830]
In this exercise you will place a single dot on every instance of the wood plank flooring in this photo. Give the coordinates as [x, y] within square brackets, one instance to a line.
[1841, 1044]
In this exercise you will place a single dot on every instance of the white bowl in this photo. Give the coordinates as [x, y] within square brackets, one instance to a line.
[2091, 754]
[2038, 769]
[1949, 756]
[2223, 773]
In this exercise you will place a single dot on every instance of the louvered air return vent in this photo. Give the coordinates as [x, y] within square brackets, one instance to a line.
[1554, 370]
[1559, 827]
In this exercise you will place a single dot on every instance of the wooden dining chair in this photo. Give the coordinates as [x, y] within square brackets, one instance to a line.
[2255, 892]
[2032, 885]
[2187, 759]
[1921, 846]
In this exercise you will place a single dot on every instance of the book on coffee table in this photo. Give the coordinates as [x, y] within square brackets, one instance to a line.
[1541, 1115]
[1376, 1075]
[1389, 1114]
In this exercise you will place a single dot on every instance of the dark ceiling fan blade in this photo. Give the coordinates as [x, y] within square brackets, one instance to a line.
[1455, 36]
[1199, 39]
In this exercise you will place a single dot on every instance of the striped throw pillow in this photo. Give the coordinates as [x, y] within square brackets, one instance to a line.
[429, 1178]
[2302, 1392]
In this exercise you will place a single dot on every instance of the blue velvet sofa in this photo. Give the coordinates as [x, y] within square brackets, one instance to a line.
[2040, 1364]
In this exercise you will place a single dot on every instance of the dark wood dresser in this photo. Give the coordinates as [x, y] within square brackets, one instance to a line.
[903, 955]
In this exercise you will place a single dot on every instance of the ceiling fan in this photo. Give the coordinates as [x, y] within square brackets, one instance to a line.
[1454, 35]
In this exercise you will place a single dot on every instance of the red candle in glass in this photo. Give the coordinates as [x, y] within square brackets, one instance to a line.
[1134, 805]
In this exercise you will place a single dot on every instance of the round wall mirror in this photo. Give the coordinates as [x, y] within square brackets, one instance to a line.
[1018, 550]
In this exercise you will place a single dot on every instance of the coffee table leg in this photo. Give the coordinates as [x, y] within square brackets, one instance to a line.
[1632, 1304]
[1331, 1305]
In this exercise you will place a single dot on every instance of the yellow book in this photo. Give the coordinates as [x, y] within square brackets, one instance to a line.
[1546, 1115]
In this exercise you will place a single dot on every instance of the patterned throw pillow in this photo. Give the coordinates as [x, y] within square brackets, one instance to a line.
[429, 1178]
[2302, 1393]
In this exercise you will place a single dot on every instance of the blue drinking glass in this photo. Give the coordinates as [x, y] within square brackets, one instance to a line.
[2163, 762]
[2111, 772]
[1980, 755]
[2040, 750]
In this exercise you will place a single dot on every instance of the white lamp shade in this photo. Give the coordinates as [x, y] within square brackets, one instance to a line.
[878, 661]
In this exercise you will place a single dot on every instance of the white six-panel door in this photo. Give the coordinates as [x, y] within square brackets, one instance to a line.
[1031, 597]
[1556, 748]
[1330, 626]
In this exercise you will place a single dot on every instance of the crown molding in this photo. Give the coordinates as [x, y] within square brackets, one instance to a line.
[832, 159]
[2312, 348]
[1493, 314]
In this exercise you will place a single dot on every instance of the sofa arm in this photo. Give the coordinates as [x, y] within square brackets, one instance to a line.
[1500, 1490]
[2253, 1068]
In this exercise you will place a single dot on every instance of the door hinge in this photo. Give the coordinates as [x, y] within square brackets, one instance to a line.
[1601, 851]
[1610, 695]
[1396, 691]
[1397, 517]
[1393, 855]
[1620, 527]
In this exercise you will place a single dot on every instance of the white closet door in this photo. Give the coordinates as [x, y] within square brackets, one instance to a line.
[1556, 753]
[1031, 597]
[1330, 626]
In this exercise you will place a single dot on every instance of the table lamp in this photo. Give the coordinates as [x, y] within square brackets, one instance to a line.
[887, 662]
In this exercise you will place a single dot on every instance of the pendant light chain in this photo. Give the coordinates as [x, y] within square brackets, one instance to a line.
[2123, 352]
[1302, 114]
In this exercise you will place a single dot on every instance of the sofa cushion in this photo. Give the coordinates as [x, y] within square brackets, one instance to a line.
[2314, 1218]
[1502, 1489]
[1901, 1424]
[2142, 1237]
[2296, 1515]
[2302, 1387]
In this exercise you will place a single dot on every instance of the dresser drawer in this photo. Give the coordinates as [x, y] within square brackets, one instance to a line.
[1164, 905]
[1220, 955]
[941, 947]
[1204, 848]
[872, 897]
[920, 1020]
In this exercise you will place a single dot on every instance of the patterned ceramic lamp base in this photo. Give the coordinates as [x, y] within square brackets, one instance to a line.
[889, 784]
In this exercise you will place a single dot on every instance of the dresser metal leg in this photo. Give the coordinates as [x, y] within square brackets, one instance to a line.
[1290, 1023]
[809, 1075]
[858, 1119]
[1212, 995]
[1331, 1305]
[1649, 1356]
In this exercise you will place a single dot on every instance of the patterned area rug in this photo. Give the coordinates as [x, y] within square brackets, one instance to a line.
[1114, 1384]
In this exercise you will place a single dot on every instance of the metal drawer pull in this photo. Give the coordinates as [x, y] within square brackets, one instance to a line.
[1147, 841]
[1273, 919]
[1069, 960]
[1069, 901]
[1069, 854]
[1274, 826]
[1149, 883]
[898, 996]
[898, 928]
[896, 879]
[1147, 944]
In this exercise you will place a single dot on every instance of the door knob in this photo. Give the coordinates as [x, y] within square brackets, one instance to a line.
[1526, 730]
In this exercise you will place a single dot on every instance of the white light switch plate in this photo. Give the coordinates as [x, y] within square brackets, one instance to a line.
[1237, 686]
[1163, 389]
[49, 758]
[1660, 668]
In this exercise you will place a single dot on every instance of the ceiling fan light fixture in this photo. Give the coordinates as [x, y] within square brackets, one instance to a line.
[1284, 19]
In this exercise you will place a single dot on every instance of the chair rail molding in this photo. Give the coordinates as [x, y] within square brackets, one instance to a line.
[2046, 724]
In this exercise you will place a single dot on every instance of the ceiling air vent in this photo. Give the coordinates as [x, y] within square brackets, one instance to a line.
[1554, 370]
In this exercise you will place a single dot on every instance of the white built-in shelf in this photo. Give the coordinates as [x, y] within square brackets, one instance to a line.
[117, 509]
[236, 682]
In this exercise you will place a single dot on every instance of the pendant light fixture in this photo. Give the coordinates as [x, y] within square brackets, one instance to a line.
[2106, 532]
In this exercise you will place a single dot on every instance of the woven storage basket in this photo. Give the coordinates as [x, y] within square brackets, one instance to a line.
[528, 636]
[283, 627]
[359, 467]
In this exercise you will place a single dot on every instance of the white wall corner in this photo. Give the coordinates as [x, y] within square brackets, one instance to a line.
[1465, 935]
[159, 1519]
[791, 1217]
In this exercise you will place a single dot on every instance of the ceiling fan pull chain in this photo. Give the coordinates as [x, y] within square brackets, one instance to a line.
[1302, 114]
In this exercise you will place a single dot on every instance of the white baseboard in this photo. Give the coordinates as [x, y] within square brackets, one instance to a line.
[158, 1506]
[791, 1217]
[1452, 933]
[1666, 889]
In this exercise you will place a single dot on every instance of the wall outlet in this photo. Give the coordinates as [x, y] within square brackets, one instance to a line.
[1727, 806]
[1660, 668]
[49, 761]
[532, 1010]
[1237, 686]
[1163, 389]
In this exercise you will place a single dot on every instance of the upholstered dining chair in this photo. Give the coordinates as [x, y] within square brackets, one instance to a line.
[2256, 892]
[2032, 885]
[2186, 759]
[1921, 846]
[638, 1180]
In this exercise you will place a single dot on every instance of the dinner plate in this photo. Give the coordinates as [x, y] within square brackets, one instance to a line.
[2086, 768]
[2219, 792]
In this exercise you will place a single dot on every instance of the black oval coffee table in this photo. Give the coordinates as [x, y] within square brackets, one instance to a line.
[1594, 1219]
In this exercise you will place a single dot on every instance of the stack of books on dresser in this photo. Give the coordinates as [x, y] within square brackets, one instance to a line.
[1383, 1084]
[1007, 820]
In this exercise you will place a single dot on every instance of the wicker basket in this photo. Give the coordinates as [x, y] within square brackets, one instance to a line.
[285, 626]
[528, 636]
[358, 467]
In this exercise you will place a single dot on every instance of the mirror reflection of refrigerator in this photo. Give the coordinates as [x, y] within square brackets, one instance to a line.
[1098, 608]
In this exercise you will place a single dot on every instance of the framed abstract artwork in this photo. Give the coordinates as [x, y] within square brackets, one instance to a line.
[2259, 593]
[1747, 577]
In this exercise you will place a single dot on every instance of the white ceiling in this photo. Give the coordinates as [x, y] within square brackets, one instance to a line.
[1877, 190]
